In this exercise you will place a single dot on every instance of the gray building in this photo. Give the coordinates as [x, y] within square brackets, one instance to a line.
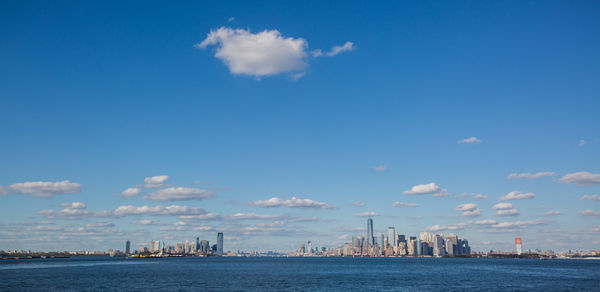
[370, 237]
[220, 243]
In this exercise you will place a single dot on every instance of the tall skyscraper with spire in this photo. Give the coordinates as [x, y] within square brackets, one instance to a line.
[370, 237]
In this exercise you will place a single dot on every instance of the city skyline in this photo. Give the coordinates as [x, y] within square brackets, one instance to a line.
[280, 123]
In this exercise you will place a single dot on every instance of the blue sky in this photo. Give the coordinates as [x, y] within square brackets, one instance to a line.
[239, 103]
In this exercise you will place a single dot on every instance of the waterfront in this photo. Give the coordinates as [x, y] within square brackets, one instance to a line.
[264, 273]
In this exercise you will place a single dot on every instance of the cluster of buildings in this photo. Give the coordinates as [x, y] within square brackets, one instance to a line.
[198, 248]
[395, 244]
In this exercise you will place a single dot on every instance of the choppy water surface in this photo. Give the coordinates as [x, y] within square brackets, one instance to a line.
[408, 274]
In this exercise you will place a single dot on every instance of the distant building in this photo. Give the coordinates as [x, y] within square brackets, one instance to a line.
[220, 243]
[197, 244]
[370, 237]
[519, 245]
[204, 246]
[127, 247]
[452, 244]
[392, 236]
[438, 246]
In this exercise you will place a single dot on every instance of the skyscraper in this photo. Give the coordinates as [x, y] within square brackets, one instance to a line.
[127, 247]
[197, 244]
[370, 237]
[518, 244]
[392, 236]
[220, 243]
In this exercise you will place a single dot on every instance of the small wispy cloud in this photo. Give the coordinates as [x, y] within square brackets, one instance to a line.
[470, 140]
[581, 143]
[367, 214]
[427, 189]
[517, 195]
[531, 175]
[403, 204]
[380, 167]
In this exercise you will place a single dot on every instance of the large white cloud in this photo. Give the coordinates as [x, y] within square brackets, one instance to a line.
[582, 178]
[517, 195]
[293, 202]
[531, 175]
[179, 194]
[261, 54]
[43, 189]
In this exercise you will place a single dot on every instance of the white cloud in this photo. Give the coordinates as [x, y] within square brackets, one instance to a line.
[230, 19]
[252, 216]
[505, 209]
[589, 213]
[173, 210]
[154, 182]
[403, 204]
[581, 143]
[100, 224]
[507, 212]
[44, 189]
[436, 228]
[179, 194]
[74, 205]
[472, 213]
[582, 178]
[465, 207]
[348, 46]
[358, 204]
[518, 224]
[257, 54]
[147, 222]
[471, 140]
[426, 189]
[207, 216]
[3, 190]
[479, 197]
[594, 197]
[531, 175]
[380, 168]
[552, 213]
[264, 53]
[503, 206]
[367, 214]
[131, 192]
[293, 202]
[517, 195]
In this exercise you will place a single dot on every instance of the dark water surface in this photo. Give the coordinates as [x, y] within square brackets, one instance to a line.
[377, 274]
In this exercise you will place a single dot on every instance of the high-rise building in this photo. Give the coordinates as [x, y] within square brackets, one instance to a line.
[205, 246]
[452, 244]
[392, 236]
[518, 245]
[370, 237]
[197, 244]
[127, 247]
[438, 246]
[220, 243]
[154, 246]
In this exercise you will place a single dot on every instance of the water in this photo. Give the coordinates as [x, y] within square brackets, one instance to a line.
[330, 274]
